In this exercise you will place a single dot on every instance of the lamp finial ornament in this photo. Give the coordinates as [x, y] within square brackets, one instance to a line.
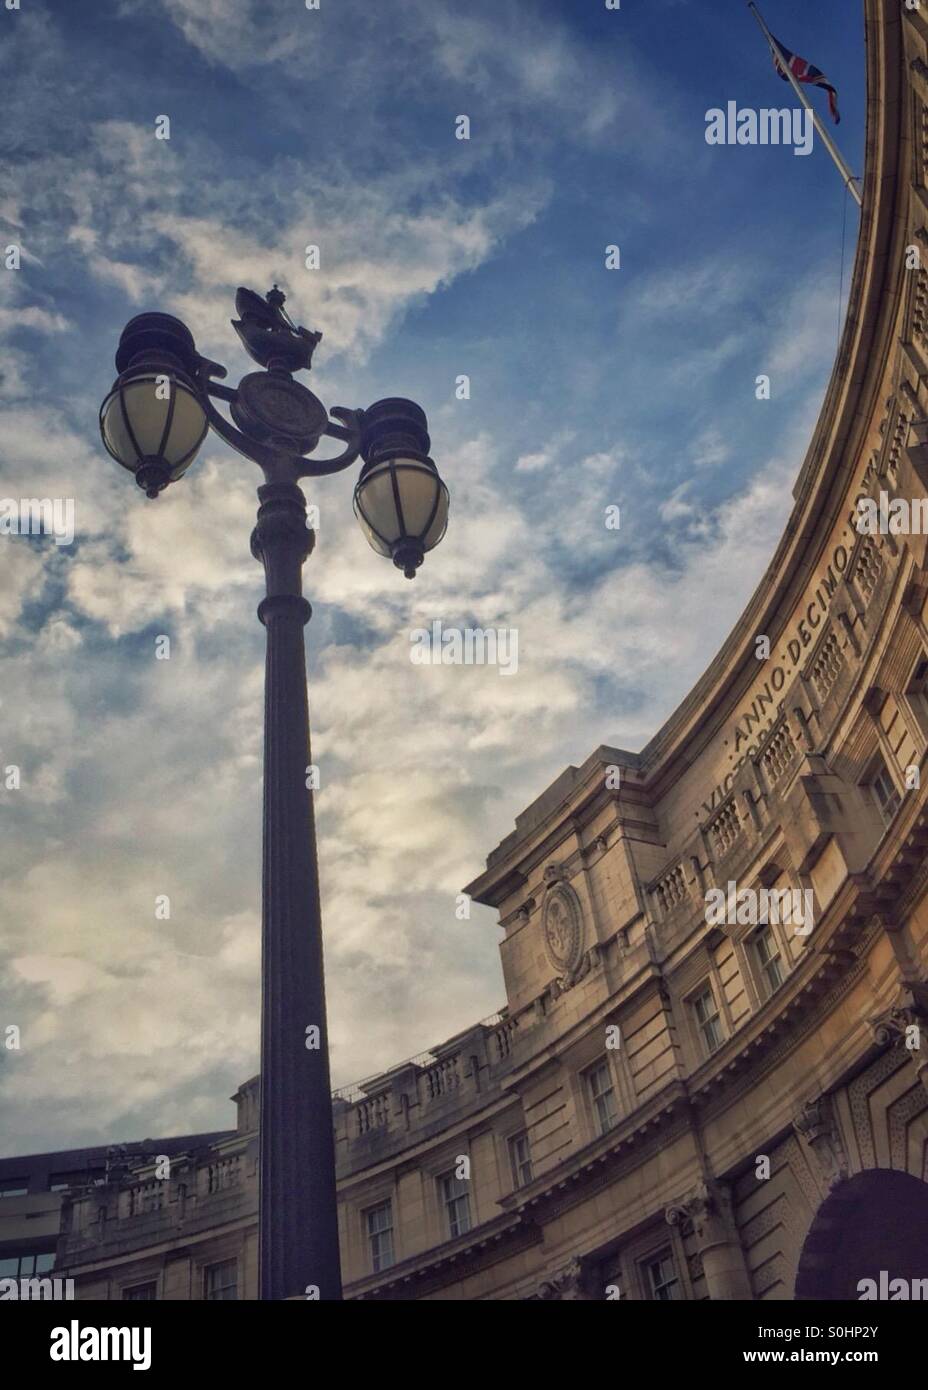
[268, 333]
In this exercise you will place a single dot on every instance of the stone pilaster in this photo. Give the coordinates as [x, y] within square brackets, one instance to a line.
[707, 1208]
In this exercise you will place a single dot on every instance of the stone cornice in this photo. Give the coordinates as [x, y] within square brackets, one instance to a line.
[853, 401]
[492, 1241]
[564, 821]
[633, 1140]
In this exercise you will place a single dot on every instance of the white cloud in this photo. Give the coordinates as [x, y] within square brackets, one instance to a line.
[376, 259]
[30, 316]
[21, 573]
[144, 777]
[553, 451]
[710, 450]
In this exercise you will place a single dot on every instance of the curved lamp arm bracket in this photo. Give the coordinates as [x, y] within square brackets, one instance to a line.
[279, 465]
[349, 432]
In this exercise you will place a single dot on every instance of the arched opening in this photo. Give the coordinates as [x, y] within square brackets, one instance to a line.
[874, 1226]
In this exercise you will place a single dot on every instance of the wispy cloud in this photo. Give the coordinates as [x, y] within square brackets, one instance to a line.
[141, 777]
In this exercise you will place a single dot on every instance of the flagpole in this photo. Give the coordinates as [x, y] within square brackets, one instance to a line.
[850, 180]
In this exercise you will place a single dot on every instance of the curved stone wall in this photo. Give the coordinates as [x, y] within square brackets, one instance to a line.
[692, 1086]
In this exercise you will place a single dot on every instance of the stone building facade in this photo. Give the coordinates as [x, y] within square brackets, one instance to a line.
[673, 1107]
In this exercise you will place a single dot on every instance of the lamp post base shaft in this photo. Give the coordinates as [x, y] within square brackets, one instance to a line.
[297, 1217]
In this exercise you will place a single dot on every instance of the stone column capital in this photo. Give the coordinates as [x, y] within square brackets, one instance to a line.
[906, 1021]
[707, 1207]
[910, 1010]
[566, 1285]
[815, 1123]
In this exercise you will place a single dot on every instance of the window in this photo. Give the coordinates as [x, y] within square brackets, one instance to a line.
[220, 1282]
[380, 1236]
[602, 1095]
[885, 792]
[81, 1177]
[455, 1196]
[25, 1266]
[767, 949]
[663, 1284]
[611, 1276]
[520, 1159]
[917, 691]
[707, 1019]
[140, 1293]
[14, 1187]
[918, 685]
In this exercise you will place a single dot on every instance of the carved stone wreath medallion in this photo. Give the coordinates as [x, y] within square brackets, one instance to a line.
[562, 929]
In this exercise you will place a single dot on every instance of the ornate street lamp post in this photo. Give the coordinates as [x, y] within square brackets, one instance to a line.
[153, 423]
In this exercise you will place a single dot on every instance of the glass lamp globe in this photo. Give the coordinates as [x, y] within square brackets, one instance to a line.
[153, 423]
[402, 505]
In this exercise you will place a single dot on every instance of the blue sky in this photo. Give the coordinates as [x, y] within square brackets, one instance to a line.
[439, 257]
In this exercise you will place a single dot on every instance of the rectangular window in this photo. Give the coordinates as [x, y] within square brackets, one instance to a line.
[26, 1266]
[380, 1236]
[663, 1284]
[885, 792]
[520, 1159]
[456, 1199]
[14, 1187]
[82, 1177]
[767, 949]
[220, 1282]
[140, 1293]
[706, 1012]
[602, 1096]
[612, 1276]
[918, 685]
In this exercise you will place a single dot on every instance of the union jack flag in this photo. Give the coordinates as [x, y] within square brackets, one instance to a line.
[805, 72]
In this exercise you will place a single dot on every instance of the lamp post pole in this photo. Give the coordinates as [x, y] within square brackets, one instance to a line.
[297, 1216]
[153, 422]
